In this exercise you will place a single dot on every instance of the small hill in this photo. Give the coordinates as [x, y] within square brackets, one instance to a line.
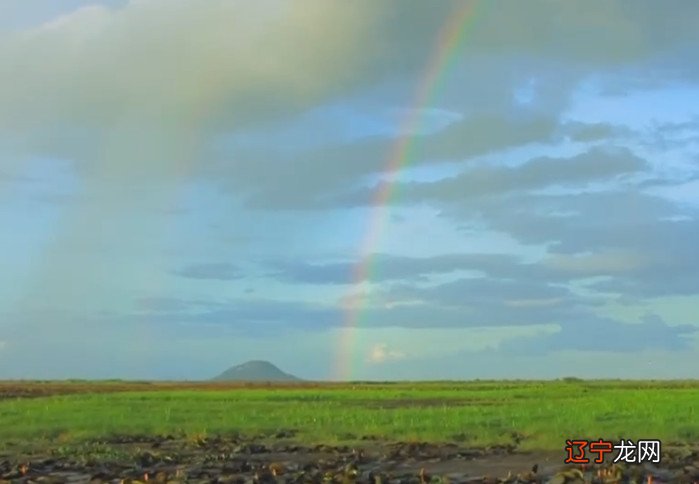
[255, 370]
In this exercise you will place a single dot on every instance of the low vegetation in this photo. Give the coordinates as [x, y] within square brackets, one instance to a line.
[529, 415]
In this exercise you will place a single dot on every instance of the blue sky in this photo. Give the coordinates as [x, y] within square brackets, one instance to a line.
[187, 185]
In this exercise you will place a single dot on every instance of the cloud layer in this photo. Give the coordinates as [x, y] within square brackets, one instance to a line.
[205, 174]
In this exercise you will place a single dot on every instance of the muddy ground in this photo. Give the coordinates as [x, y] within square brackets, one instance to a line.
[234, 459]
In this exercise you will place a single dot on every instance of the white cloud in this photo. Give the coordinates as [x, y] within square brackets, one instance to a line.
[179, 63]
[381, 353]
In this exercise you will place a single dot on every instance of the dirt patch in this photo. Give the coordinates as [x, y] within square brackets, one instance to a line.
[235, 459]
[34, 389]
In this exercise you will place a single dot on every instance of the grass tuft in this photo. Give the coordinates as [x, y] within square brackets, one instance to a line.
[530, 415]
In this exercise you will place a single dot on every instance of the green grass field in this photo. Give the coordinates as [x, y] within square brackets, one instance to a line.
[542, 414]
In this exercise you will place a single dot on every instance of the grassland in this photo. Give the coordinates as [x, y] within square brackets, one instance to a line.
[532, 415]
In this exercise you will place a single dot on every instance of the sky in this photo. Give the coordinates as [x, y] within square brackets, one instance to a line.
[351, 190]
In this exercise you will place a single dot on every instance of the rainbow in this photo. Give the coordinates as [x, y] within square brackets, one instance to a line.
[447, 47]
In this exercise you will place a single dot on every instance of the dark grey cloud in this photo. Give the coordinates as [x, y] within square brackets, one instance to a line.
[590, 132]
[539, 173]
[484, 134]
[670, 182]
[13, 178]
[636, 244]
[169, 304]
[374, 44]
[220, 271]
[574, 222]
[655, 236]
[477, 315]
[468, 292]
[614, 33]
[388, 267]
[671, 266]
[667, 136]
[313, 180]
[482, 302]
[313, 273]
[477, 302]
[596, 165]
[253, 316]
[554, 268]
[604, 334]
[161, 304]
[464, 304]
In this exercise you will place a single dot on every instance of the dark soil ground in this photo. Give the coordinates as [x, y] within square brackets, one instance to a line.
[232, 459]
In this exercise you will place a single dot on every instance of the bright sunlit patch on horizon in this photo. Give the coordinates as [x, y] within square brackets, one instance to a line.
[382, 352]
